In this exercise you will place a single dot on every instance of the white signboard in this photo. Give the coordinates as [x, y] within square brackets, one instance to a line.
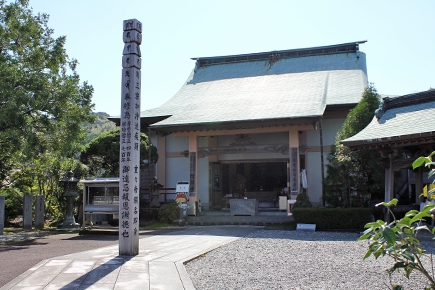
[306, 227]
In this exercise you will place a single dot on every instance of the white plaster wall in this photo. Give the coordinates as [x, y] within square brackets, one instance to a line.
[330, 129]
[314, 176]
[153, 139]
[177, 169]
[176, 144]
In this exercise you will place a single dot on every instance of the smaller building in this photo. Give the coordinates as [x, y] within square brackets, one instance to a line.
[100, 198]
[402, 129]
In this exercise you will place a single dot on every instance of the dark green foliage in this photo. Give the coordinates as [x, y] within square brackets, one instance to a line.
[149, 214]
[13, 203]
[333, 218]
[102, 154]
[399, 239]
[42, 103]
[168, 212]
[353, 176]
[303, 200]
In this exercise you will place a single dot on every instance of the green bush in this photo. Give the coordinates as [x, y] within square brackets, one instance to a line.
[149, 214]
[333, 218]
[303, 201]
[168, 212]
[13, 203]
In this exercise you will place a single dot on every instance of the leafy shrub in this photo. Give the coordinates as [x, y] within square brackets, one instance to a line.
[303, 201]
[398, 240]
[168, 212]
[13, 203]
[149, 214]
[333, 218]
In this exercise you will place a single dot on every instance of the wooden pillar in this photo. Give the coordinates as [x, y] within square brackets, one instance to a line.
[418, 184]
[2, 214]
[294, 169]
[389, 185]
[161, 163]
[212, 142]
[193, 168]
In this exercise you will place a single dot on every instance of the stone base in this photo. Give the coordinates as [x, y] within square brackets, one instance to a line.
[68, 226]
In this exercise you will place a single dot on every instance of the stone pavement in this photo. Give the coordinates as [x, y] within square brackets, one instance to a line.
[159, 264]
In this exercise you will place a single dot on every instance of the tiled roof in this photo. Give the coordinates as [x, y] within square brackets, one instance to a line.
[267, 89]
[405, 117]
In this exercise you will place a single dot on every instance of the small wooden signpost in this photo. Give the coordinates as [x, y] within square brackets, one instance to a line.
[129, 184]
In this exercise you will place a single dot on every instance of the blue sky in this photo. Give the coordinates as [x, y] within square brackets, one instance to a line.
[400, 34]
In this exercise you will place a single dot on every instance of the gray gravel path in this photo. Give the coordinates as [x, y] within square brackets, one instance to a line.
[274, 259]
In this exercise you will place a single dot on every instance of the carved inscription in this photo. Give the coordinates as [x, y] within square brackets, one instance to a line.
[294, 174]
[27, 212]
[39, 211]
[129, 183]
[192, 189]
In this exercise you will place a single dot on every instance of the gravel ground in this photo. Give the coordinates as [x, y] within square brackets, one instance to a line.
[275, 259]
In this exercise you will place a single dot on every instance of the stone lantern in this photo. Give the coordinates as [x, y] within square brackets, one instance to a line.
[70, 185]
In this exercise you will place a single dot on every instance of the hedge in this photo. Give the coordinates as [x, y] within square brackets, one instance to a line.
[333, 218]
[168, 212]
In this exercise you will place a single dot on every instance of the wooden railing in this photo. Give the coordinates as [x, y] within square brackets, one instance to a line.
[166, 194]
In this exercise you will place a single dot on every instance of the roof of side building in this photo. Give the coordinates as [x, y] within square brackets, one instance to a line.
[398, 119]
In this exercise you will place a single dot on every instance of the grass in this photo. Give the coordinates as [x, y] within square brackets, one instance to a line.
[291, 226]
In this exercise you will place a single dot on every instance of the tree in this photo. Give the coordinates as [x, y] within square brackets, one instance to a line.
[102, 154]
[42, 178]
[357, 170]
[42, 103]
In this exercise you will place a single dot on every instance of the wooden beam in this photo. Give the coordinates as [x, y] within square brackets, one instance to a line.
[247, 131]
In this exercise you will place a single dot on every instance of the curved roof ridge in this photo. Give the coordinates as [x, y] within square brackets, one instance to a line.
[277, 54]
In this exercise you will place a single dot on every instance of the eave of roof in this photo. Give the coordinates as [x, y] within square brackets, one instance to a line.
[236, 125]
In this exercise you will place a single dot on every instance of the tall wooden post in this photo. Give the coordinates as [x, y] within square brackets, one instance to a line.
[129, 159]
[2, 214]
[293, 162]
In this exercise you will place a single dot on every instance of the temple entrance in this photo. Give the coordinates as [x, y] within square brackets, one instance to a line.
[263, 181]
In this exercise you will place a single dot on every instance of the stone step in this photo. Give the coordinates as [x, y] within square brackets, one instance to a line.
[260, 220]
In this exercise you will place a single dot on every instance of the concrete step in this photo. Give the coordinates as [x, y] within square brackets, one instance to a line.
[259, 220]
[225, 212]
